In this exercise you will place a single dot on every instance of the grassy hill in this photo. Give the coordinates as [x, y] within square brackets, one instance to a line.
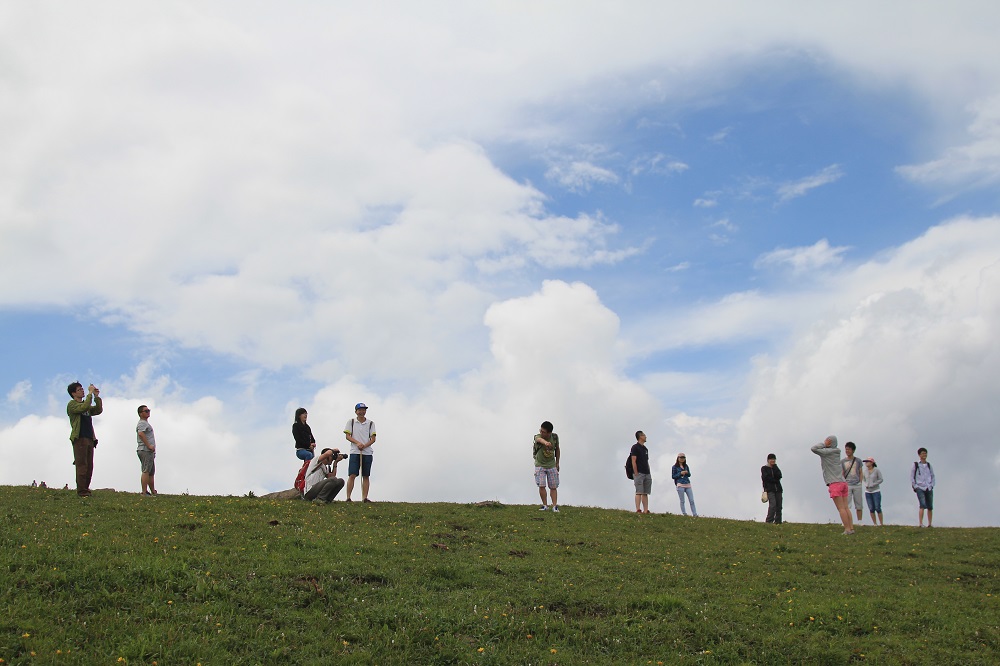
[120, 578]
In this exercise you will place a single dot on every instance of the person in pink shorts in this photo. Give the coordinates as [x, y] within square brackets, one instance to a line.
[833, 476]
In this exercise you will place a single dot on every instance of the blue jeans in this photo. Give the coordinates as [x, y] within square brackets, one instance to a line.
[681, 492]
[874, 501]
[926, 499]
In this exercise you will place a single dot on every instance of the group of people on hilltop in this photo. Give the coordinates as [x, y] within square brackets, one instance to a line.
[320, 482]
[642, 477]
[546, 455]
[847, 480]
[83, 406]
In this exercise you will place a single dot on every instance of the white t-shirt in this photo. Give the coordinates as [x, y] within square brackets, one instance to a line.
[315, 473]
[147, 430]
[361, 432]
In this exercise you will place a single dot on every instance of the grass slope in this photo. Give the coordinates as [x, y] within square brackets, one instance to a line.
[119, 578]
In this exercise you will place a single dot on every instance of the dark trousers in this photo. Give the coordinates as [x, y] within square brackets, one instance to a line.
[83, 458]
[773, 508]
[326, 489]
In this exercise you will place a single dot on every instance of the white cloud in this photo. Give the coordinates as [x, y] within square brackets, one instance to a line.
[894, 353]
[803, 259]
[976, 163]
[236, 187]
[20, 392]
[725, 224]
[721, 135]
[705, 203]
[553, 356]
[580, 176]
[241, 191]
[657, 163]
[798, 188]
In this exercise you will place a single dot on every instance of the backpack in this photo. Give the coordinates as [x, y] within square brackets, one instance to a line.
[300, 478]
[629, 472]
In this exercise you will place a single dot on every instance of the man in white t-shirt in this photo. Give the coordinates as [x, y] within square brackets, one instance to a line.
[360, 432]
[146, 450]
[322, 484]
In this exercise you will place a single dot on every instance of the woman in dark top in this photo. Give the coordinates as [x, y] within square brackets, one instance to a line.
[681, 475]
[770, 476]
[304, 440]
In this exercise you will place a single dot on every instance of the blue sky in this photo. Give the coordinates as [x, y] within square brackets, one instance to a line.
[737, 230]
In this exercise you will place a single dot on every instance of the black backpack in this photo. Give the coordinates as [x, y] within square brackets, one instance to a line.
[629, 472]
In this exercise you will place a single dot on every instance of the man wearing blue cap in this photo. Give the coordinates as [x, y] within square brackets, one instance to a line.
[360, 432]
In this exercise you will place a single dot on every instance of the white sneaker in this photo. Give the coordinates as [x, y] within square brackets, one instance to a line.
[544, 508]
[555, 509]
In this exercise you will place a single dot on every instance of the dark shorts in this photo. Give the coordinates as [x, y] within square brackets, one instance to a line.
[358, 462]
[926, 499]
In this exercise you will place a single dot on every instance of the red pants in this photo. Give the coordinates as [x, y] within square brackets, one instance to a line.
[83, 458]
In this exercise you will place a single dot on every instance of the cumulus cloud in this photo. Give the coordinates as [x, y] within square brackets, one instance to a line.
[553, 356]
[894, 354]
[797, 188]
[899, 354]
[802, 259]
[315, 192]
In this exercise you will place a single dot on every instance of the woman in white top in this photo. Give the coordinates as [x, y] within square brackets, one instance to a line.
[872, 481]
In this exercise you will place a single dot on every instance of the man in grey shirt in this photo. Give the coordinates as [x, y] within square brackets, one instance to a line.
[146, 450]
[833, 476]
[852, 467]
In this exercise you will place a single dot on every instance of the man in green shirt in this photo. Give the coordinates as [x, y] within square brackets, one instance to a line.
[81, 432]
[546, 454]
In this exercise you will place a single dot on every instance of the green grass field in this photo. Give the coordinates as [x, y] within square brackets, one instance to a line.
[124, 579]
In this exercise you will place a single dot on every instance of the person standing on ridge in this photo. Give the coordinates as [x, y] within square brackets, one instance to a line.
[545, 451]
[146, 450]
[360, 432]
[770, 476]
[873, 492]
[681, 474]
[833, 476]
[852, 467]
[922, 481]
[641, 475]
[81, 412]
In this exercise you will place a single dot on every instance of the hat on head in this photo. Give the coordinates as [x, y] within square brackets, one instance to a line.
[871, 460]
[360, 405]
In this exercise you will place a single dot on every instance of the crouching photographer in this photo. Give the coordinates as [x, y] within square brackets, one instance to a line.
[322, 484]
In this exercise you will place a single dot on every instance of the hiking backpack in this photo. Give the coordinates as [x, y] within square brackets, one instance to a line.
[629, 472]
